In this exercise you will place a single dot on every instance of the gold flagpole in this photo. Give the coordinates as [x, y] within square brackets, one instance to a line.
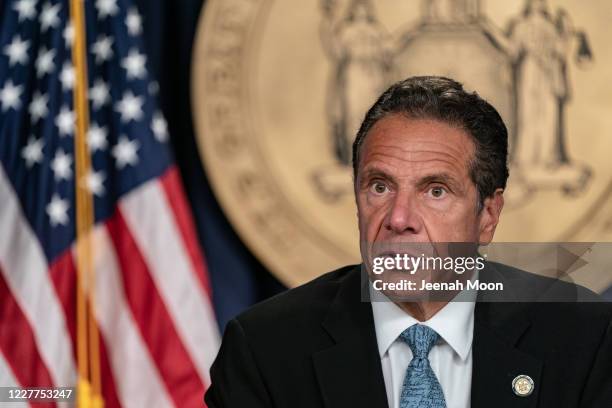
[88, 351]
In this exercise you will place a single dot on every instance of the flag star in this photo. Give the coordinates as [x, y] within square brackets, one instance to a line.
[99, 94]
[67, 76]
[32, 152]
[57, 210]
[125, 152]
[133, 21]
[94, 182]
[61, 166]
[17, 51]
[96, 138]
[130, 107]
[106, 8]
[44, 62]
[48, 16]
[134, 64]
[69, 34]
[10, 95]
[159, 126]
[102, 48]
[65, 121]
[38, 106]
[26, 9]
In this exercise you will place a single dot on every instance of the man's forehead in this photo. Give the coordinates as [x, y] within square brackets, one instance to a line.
[400, 131]
[396, 142]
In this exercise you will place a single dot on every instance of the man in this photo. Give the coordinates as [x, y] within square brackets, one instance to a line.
[430, 167]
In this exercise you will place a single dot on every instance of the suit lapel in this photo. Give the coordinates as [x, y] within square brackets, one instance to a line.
[349, 372]
[498, 327]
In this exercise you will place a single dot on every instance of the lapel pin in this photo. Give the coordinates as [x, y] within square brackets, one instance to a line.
[522, 385]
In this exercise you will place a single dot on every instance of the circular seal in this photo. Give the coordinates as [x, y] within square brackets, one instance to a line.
[279, 89]
[522, 385]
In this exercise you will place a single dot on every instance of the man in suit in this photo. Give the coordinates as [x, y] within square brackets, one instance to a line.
[430, 164]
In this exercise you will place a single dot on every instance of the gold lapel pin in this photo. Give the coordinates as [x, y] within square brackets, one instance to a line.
[522, 385]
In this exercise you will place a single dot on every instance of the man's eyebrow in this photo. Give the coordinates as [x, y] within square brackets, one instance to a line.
[443, 178]
[374, 172]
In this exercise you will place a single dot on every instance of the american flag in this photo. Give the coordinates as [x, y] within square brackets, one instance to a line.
[152, 300]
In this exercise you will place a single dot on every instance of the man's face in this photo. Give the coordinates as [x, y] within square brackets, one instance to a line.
[413, 186]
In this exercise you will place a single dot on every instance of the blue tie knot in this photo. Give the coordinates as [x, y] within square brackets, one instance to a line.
[420, 339]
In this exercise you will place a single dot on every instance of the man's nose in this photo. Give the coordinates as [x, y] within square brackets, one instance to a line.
[404, 216]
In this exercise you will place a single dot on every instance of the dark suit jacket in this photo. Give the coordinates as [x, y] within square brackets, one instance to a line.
[315, 346]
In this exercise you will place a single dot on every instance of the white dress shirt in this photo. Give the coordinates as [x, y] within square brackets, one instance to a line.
[450, 357]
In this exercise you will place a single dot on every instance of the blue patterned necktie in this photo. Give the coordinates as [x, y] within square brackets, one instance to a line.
[421, 388]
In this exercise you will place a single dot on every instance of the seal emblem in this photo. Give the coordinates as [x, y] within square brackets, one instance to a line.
[279, 89]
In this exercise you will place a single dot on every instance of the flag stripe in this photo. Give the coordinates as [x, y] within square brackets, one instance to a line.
[171, 183]
[7, 379]
[136, 377]
[167, 261]
[64, 277]
[28, 281]
[109, 388]
[152, 317]
[18, 344]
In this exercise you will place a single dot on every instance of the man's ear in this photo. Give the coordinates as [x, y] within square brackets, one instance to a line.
[489, 216]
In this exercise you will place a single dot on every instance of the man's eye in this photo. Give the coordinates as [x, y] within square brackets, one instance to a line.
[437, 192]
[378, 187]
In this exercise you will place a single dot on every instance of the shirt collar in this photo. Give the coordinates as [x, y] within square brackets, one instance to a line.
[454, 323]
